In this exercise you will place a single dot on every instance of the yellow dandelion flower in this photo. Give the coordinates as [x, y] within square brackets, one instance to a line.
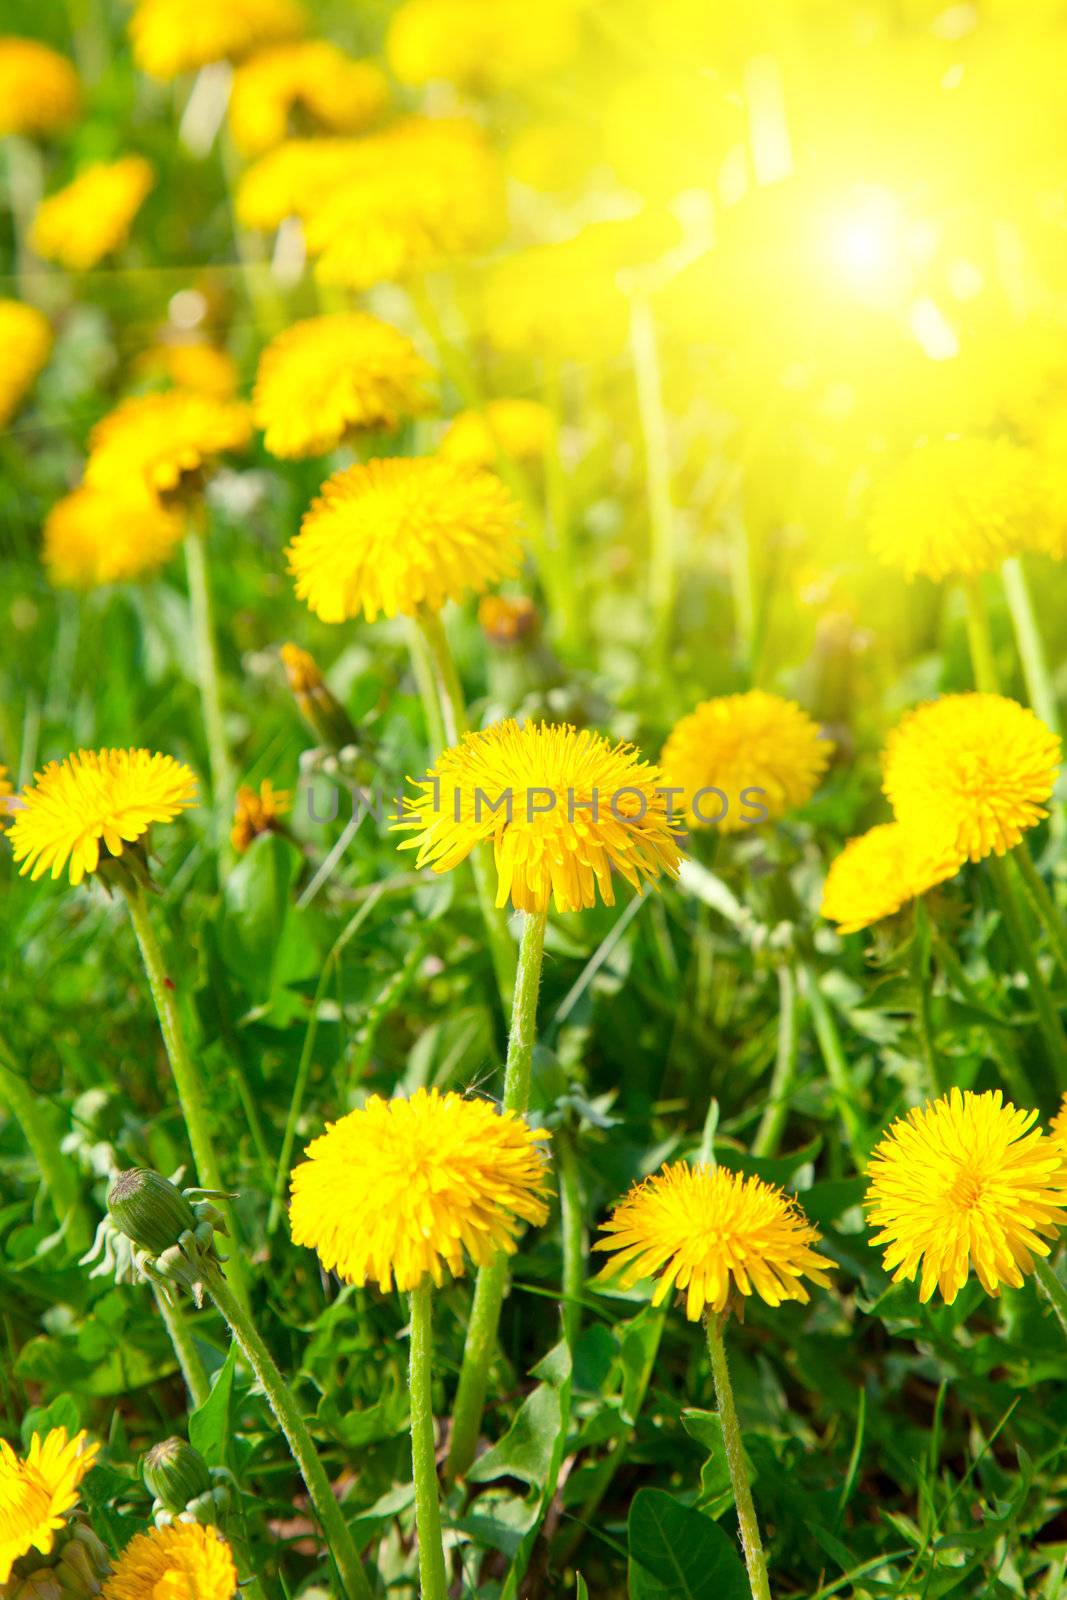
[426, 190]
[38, 1492]
[156, 439]
[521, 429]
[754, 749]
[479, 46]
[92, 216]
[957, 507]
[192, 364]
[172, 36]
[403, 1189]
[507, 619]
[294, 179]
[564, 810]
[326, 377]
[185, 1561]
[38, 88]
[114, 535]
[972, 770]
[25, 343]
[394, 535]
[94, 798]
[966, 1182]
[256, 813]
[313, 79]
[709, 1233]
[881, 871]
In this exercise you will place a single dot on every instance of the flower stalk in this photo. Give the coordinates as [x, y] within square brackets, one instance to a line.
[1030, 644]
[432, 1571]
[207, 668]
[751, 1543]
[1047, 1015]
[776, 1111]
[980, 639]
[1052, 1288]
[492, 1280]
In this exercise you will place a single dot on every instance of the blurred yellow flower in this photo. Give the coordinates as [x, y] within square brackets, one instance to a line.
[314, 80]
[178, 1562]
[480, 46]
[112, 535]
[25, 343]
[192, 364]
[967, 1182]
[564, 810]
[957, 507]
[172, 36]
[38, 1491]
[108, 796]
[92, 216]
[38, 88]
[157, 439]
[756, 749]
[404, 1189]
[505, 619]
[711, 1234]
[293, 179]
[425, 190]
[257, 812]
[970, 772]
[879, 872]
[520, 429]
[391, 536]
[6, 791]
[325, 378]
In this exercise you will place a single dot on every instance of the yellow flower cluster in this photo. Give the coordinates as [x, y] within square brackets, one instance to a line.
[154, 441]
[97, 536]
[310, 79]
[479, 46]
[173, 36]
[91, 217]
[38, 88]
[521, 430]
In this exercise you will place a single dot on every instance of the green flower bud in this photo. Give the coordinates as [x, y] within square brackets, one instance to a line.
[149, 1210]
[175, 1474]
[75, 1570]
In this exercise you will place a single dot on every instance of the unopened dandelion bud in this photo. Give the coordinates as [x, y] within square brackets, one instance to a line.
[175, 1474]
[83, 1563]
[150, 1210]
[323, 713]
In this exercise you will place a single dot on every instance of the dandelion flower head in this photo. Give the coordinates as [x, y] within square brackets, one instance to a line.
[38, 87]
[173, 36]
[328, 376]
[522, 430]
[98, 536]
[879, 872]
[404, 1189]
[390, 536]
[256, 812]
[974, 771]
[92, 801]
[565, 810]
[312, 78]
[25, 343]
[966, 1183]
[38, 1491]
[957, 507]
[739, 742]
[155, 440]
[479, 46]
[191, 364]
[294, 179]
[711, 1233]
[92, 216]
[185, 1561]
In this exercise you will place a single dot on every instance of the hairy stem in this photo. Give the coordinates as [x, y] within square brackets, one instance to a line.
[432, 1571]
[755, 1560]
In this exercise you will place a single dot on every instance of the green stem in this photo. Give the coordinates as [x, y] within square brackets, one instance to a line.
[1053, 1288]
[559, 566]
[492, 1279]
[1047, 1017]
[980, 639]
[1041, 898]
[920, 977]
[573, 1232]
[354, 1582]
[192, 1368]
[59, 1177]
[422, 664]
[432, 1571]
[207, 670]
[439, 685]
[834, 1060]
[1031, 646]
[755, 1560]
[185, 1072]
[663, 551]
[776, 1111]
